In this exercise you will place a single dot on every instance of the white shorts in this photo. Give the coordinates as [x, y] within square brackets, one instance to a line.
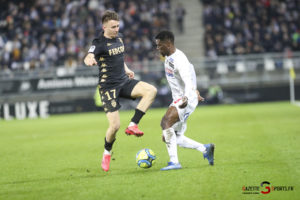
[184, 113]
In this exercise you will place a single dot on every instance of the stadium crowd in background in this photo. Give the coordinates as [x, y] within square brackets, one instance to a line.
[47, 33]
[251, 26]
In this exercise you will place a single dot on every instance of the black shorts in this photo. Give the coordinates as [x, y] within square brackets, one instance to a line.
[110, 96]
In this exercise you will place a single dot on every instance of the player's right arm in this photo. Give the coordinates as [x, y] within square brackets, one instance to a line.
[90, 60]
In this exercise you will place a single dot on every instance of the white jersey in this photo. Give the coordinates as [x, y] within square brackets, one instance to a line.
[181, 76]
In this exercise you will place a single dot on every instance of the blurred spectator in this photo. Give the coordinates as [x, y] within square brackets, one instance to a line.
[180, 13]
[49, 33]
[214, 95]
[251, 26]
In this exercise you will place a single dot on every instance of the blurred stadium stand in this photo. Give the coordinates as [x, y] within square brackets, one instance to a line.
[42, 44]
[238, 27]
[47, 33]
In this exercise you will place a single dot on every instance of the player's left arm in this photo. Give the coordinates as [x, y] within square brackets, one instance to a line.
[187, 78]
[129, 72]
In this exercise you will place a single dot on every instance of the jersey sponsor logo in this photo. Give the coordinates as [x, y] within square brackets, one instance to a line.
[116, 51]
[177, 101]
[92, 49]
[169, 72]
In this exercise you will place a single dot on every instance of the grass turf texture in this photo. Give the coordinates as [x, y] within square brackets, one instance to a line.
[59, 157]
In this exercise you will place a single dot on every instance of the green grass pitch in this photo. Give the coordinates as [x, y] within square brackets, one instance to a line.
[59, 157]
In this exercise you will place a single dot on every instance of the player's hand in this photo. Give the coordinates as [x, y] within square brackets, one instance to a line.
[184, 102]
[200, 98]
[89, 60]
[130, 74]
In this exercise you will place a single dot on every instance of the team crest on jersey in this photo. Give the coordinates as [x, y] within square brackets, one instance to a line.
[108, 44]
[113, 103]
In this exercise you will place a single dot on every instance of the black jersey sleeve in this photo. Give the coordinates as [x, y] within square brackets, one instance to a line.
[96, 47]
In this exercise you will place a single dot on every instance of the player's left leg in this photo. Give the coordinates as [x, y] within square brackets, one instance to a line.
[185, 142]
[147, 93]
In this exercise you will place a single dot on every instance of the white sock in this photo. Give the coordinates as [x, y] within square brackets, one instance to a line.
[107, 152]
[131, 124]
[171, 144]
[186, 142]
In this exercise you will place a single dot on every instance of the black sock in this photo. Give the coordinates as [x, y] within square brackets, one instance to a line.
[137, 116]
[107, 145]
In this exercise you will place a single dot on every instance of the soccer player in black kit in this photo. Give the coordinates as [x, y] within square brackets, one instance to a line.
[116, 80]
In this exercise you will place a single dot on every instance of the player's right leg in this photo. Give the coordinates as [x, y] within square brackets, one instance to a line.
[110, 137]
[147, 93]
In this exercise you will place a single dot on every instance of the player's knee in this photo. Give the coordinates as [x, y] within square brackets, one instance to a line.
[164, 124]
[153, 91]
[115, 126]
[179, 140]
[150, 92]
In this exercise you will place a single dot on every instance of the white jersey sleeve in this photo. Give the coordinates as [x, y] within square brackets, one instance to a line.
[188, 76]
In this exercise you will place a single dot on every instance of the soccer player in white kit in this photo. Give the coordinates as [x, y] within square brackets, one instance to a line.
[181, 77]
